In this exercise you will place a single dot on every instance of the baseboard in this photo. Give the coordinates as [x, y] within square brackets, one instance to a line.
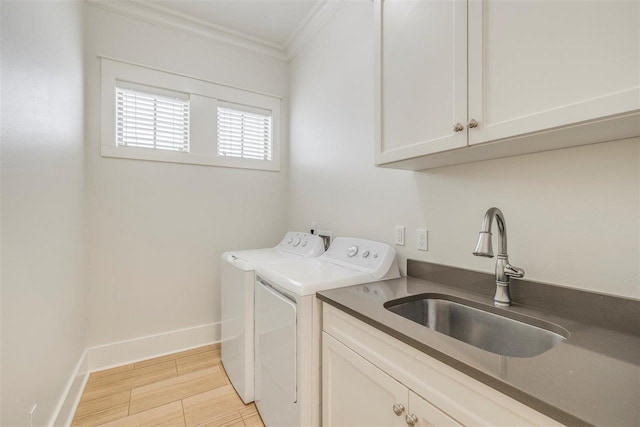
[71, 396]
[124, 352]
[137, 349]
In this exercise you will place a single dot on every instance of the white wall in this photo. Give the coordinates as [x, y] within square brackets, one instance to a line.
[557, 204]
[156, 230]
[42, 205]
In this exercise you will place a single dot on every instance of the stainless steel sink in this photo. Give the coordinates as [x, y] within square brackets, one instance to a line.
[476, 324]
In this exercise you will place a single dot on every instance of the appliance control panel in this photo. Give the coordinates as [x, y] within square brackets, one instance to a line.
[303, 244]
[364, 255]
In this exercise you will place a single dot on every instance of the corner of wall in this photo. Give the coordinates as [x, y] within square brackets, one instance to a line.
[70, 398]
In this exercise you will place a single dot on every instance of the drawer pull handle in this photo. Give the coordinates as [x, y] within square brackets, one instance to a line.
[411, 420]
[398, 409]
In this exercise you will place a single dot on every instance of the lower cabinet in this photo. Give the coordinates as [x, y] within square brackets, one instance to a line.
[357, 393]
[372, 379]
[422, 413]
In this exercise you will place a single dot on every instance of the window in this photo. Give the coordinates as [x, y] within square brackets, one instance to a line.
[244, 132]
[151, 120]
[163, 116]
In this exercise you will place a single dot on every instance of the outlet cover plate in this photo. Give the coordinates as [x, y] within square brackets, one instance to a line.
[422, 239]
[399, 239]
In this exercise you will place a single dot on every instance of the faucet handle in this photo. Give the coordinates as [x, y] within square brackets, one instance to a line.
[512, 271]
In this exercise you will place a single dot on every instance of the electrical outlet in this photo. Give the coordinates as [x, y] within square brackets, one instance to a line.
[422, 239]
[399, 235]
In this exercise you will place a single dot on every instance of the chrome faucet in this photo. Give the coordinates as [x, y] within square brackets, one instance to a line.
[504, 270]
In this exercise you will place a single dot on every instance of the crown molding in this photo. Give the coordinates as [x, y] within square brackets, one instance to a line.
[145, 11]
[157, 15]
[310, 26]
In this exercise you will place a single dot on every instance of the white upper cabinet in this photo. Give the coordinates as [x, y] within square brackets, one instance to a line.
[511, 76]
[422, 64]
[539, 64]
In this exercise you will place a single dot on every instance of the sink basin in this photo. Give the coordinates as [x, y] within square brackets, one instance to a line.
[476, 324]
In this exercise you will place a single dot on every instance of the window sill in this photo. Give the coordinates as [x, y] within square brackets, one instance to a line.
[186, 158]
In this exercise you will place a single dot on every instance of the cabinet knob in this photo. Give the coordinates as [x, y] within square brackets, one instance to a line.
[473, 123]
[411, 420]
[458, 127]
[398, 408]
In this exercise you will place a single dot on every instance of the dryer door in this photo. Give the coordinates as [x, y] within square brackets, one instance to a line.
[275, 358]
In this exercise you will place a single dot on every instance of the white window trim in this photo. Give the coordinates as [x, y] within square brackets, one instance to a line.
[201, 92]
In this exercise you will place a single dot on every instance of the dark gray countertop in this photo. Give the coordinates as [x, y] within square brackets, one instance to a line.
[591, 378]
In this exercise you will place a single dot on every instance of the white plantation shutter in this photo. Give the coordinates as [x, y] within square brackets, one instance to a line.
[244, 132]
[151, 118]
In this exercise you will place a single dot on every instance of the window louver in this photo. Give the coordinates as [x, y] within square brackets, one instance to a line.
[149, 120]
[244, 134]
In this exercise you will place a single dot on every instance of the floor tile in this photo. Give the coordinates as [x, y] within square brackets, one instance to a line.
[172, 356]
[253, 421]
[128, 380]
[196, 362]
[177, 388]
[98, 379]
[87, 407]
[107, 373]
[207, 406]
[154, 361]
[230, 419]
[249, 410]
[102, 417]
[161, 391]
[169, 415]
[251, 417]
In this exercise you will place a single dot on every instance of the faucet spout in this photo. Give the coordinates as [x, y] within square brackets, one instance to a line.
[484, 248]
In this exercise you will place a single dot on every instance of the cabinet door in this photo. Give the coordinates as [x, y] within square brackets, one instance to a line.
[539, 64]
[356, 393]
[428, 415]
[421, 77]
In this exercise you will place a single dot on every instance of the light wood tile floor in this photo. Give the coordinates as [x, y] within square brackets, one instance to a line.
[182, 389]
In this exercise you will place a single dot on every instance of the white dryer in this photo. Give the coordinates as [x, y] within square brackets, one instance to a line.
[237, 303]
[288, 324]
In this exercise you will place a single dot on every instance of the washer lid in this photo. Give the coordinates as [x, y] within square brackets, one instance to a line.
[349, 261]
[308, 276]
[250, 259]
[294, 245]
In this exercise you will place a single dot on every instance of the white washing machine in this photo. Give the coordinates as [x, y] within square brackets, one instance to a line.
[237, 301]
[288, 324]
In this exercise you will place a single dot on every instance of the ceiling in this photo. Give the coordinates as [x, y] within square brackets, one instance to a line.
[273, 22]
